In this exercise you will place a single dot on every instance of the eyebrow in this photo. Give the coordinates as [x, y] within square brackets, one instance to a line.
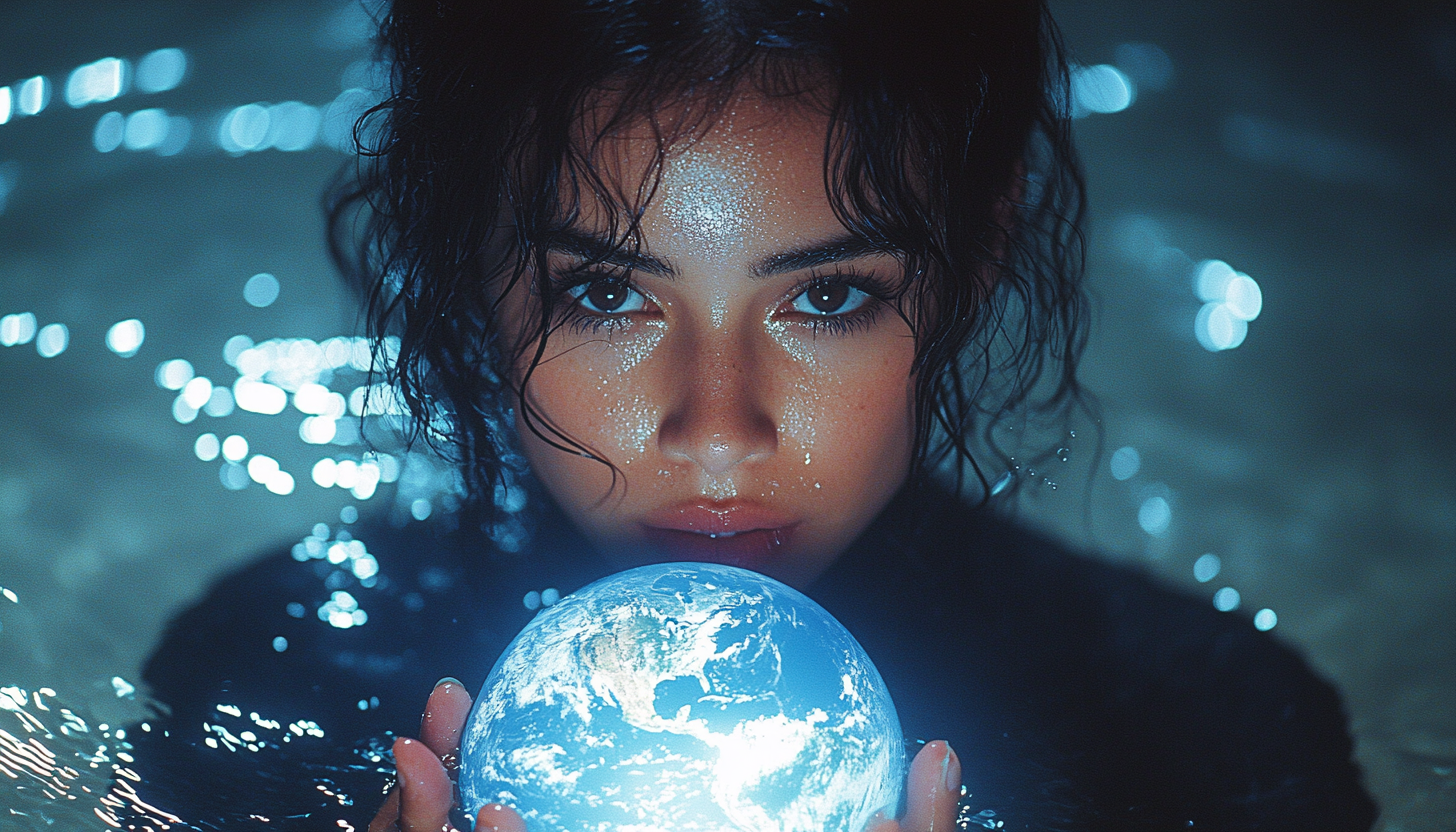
[596, 249]
[835, 250]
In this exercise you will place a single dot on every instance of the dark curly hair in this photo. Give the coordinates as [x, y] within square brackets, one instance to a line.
[948, 144]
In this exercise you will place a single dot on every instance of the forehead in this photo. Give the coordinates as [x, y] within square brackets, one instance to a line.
[717, 179]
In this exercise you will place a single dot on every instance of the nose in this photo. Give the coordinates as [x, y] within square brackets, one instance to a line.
[719, 416]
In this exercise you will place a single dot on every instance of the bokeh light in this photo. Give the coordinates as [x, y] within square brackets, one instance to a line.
[174, 374]
[125, 338]
[18, 328]
[1125, 463]
[1102, 89]
[1207, 567]
[32, 95]
[1226, 599]
[1230, 300]
[161, 70]
[145, 129]
[97, 82]
[261, 290]
[234, 448]
[109, 132]
[207, 447]
[52, 340]
[1155, 515]
[1265, 620]
[1217, 329]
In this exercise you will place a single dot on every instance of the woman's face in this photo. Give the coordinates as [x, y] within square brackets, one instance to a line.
[739, 371]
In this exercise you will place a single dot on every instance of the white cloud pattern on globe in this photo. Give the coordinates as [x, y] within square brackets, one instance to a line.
[685, 697]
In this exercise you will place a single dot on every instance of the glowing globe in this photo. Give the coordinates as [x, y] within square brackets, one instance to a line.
[685, 696]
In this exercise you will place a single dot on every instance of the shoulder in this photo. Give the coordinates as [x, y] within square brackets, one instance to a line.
[1163, 702]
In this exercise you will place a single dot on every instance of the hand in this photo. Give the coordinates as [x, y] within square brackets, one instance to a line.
[422, 800]
[934, 791]
[425, 794]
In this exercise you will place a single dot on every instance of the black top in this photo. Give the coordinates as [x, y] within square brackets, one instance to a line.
[1078, 694]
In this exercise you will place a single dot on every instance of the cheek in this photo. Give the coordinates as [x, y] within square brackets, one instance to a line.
[596, 393]
[847, 416]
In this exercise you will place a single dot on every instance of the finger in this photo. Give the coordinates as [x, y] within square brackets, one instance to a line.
[881, 823]
[387, 819]
[445, 715]
[493, 817]
[934, 789]
[425, 790]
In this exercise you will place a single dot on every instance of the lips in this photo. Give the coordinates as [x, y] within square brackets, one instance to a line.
[733, 533]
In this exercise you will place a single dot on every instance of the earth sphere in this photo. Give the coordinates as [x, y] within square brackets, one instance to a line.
[685, 696]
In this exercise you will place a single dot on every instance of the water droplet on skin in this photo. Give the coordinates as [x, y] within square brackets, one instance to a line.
[1002, 483]
[1064, 454]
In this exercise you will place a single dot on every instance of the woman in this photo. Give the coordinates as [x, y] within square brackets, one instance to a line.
[729, 282]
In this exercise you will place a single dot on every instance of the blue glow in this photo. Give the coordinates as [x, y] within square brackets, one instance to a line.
[1243, 297]
[1226, 599]
[667, 679]
[1206, 568]
[337, 127]
[17, 329]
[161, 70]
[244, 129]
[1155, 515]
[317, 430]
[173, 375]
[197, 391]
[1211, 279]
[261, 290]
[1125, 463]
[207, 447]
[33, 95]
[52, 340]
[323, 473]
[234, 476]
[1265, 620]
[1102, 89]
[126, 337]
[97, 82]
[1218, 329]
[220, 403]
[292, 126]
[7, 105]
[259, 396]
[109, 133]
[234, 347]
[234, 448]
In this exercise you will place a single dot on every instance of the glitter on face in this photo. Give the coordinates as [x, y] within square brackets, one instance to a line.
[721, 385]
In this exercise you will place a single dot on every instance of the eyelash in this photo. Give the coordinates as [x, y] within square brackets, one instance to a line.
[580, 321]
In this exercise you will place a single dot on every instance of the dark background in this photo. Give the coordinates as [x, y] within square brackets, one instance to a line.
[1306, 144]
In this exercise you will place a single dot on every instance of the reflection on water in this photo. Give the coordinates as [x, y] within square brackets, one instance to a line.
[67, 771]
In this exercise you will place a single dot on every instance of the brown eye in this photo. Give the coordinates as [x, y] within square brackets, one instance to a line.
[608, 297]
[830, 299]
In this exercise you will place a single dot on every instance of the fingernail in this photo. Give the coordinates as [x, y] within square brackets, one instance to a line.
[449, 680]
[951, 768]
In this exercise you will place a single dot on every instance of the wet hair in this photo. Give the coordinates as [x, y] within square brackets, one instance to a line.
[948, 144]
